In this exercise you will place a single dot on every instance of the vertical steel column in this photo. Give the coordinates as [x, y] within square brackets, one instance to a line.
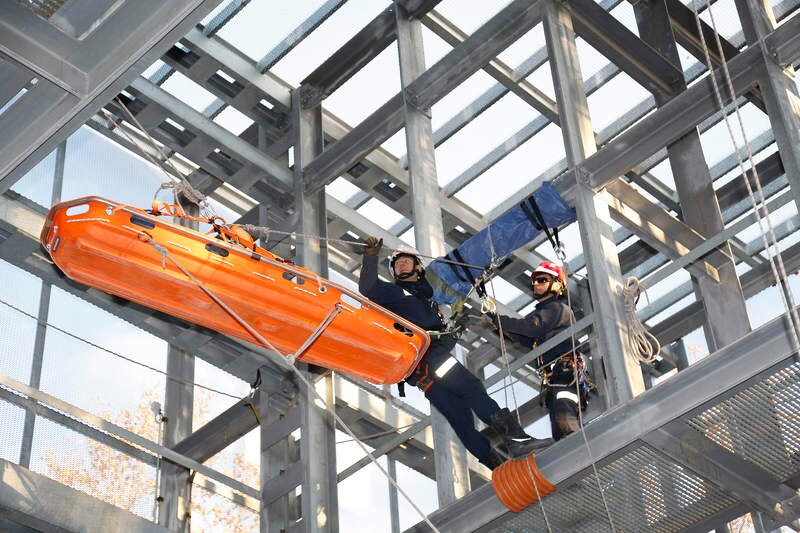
[726, 314]
[36, 374]
[175, 487]
[280, 515]
[41, 329]
[778, 90]
[623, 376]
[450, 456]
[318, 438]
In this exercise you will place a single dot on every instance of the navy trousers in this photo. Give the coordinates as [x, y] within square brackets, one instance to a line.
[457, 395]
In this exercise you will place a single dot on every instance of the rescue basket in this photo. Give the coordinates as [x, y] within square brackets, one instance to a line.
[111, 247]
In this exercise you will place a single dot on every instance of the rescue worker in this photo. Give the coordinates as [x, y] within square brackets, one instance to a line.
[557, 365]
[452, 389]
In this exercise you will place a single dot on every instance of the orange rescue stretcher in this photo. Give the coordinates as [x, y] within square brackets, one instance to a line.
[112, 247]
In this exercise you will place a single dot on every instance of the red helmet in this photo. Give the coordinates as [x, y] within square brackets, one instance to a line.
[551, 269]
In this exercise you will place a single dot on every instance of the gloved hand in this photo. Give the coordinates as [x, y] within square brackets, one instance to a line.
[374, 245]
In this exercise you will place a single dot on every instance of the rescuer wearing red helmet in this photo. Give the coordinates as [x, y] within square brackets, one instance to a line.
[447, 384]
[557, 365]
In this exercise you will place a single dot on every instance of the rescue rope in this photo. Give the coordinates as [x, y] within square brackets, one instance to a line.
[507, 367]
[645, 345]
[115, 354]
[565, 267]
[294, 369]
[183, 185]
[779, 269]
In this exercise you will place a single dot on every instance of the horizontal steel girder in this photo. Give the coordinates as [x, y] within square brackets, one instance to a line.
[693, 388]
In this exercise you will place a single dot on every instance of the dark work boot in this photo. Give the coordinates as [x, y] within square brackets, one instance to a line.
[519, 443]
[493, 460]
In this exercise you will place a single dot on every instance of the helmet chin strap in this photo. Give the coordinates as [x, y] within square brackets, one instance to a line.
[404, 275]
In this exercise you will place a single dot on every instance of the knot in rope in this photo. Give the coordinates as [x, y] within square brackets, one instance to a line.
[258, 232]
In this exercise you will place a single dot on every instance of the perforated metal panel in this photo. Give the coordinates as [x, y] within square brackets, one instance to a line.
[43, 8]
[645, 492]
[760, 424]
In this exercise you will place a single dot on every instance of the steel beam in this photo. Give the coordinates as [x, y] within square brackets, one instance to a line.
[275, 89]
[726, 318]
[659, 229]
[676, 117]
[623, 48]
[623, 426]
[282, 176]
[452, 479]
[176, 419]
[513, 82]
[46, 505]
[356, 53]
[320, 507]
[615, 368]
[111, 57]
[485, 43]
[783, 108]
[123, 433]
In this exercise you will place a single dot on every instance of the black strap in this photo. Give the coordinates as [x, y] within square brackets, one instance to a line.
[532, 211]
[401, 389]
[480, 288]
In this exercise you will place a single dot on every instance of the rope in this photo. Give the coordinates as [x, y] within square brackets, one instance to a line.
[296, 371]
[185, 187]
[644, 343]
[565, 266]
[509, 376]
[115, 354]
[379, 434]
[779, 270]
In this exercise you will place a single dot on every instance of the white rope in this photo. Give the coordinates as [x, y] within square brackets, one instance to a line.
[565, 267]
[645, 345]
[778, 270]
[300, 376]
[185, 187]
[510, 378]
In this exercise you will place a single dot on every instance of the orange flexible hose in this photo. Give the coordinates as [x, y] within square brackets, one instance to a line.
[514, 486]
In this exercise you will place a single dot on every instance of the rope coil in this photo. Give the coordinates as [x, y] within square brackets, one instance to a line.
[645, 344]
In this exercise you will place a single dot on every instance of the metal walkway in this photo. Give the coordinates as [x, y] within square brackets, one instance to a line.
[702, 448]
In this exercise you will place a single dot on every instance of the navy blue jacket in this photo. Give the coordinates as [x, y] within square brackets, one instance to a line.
[549, 318]
[410, 300]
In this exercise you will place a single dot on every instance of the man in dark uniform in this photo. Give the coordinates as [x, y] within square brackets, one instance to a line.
[557, 365]
[447, 384]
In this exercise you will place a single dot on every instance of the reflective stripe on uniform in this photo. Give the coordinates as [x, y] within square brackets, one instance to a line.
[567, 395]
[445, 367]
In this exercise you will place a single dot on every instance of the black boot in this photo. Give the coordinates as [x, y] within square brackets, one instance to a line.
[493, 460]
[519, 443]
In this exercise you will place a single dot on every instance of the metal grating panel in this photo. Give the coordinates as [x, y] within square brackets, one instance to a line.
[645, 492]
[760, 424]
[43, 8]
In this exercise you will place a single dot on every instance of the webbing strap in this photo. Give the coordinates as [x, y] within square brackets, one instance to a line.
[480, 288]
[532, 211]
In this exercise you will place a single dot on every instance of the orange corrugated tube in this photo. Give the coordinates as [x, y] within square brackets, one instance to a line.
[516, 482]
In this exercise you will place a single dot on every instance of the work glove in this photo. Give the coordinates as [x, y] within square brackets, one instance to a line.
[374, 245]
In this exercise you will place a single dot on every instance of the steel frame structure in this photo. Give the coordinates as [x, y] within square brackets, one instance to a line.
[62, 65]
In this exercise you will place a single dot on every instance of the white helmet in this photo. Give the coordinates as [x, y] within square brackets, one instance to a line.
[406, 251]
